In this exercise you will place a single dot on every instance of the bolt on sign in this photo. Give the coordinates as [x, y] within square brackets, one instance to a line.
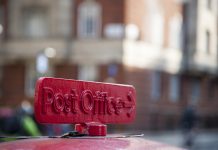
[73, 101]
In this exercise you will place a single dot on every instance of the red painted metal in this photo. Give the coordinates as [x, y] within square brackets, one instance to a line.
[89, 104]
[72, 101]
[92, 128]
[86, 144]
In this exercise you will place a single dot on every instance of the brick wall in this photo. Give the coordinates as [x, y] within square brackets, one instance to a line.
[135, 13]
[65, 70]
[13, 82]
[154, 114]
[166, 114]
[140, 80]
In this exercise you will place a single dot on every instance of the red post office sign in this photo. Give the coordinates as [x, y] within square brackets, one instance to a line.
[72, 101]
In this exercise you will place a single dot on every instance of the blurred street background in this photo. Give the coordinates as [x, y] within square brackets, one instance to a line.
[204, 140]
[167, 49]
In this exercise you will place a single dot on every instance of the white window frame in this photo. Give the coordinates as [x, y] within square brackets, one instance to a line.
[89, 10]
[207, 42]
[209, 4]
[175, 32]
[156, 22]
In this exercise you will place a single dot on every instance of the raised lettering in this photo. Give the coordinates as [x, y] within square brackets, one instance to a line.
[87, 101]
[74, 98]
[48, 97]
[130, 106]
[118, 105]
[109, 106]
[100, 103]
[58, 103]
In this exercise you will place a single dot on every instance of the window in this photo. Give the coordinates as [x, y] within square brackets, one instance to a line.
[207, 41]
[30, 80]
[209, 4]
[1, 14]
[32, 75]
[155, 86]
[195, 91]
[174, 89]
[156, 22]
[35, 22]
[89, 20]
[88, 72]
[1, 74]
[65, 7]
[112, 70]
[42, 63]
[157, 29]
[1, 21]
[114, 30]
[212, 90]
[175, 32]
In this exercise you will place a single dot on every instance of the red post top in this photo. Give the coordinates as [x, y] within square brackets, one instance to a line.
[73, 101]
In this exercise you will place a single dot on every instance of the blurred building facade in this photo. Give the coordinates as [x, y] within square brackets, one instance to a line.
[167, 49]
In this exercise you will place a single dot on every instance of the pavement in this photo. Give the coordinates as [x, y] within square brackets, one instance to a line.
[203, 139]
